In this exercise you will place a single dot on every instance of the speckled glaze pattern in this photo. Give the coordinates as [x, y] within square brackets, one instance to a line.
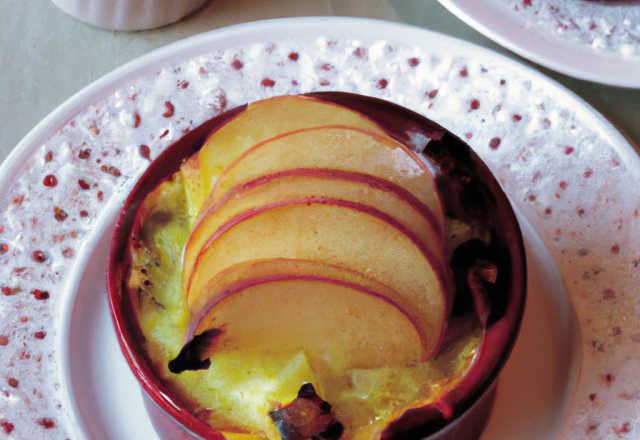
[564, 167]
[605, 27]
[593, 40]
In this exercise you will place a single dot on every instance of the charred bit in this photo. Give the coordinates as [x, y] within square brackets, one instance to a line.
[308, 417]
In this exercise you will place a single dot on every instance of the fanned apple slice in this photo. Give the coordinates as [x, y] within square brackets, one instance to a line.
[324, 318]
[263, 120]
[338, 147]
[242, 275]
[363, 189]
[339, 233]
[193, 191]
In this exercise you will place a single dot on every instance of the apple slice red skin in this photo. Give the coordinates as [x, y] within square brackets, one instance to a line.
[290, 271]
[370, 180]
[353, 118]
[439, 272]
[307, 200]
[471, 404]
[217, 191]
[196, 325]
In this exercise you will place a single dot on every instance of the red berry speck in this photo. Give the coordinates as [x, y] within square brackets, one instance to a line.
[68, 252]
[464, 73]
[39, 257]
[4, 248]
[60, 214]
[413, 62]
[382, 84]
[293, 56]
[84, 184]
[49, 156]
[84, 154]
[516, 118]
[266, 82]
[50, 181]
[145, 152]
[563, 184]
[474, 104]
[84, 213]
[7, 291]
[609, 294]
[568, 150]
[609, 378]
[494, 143]
[47, 423]
[136, 120]
[40, 295]
[170, 109]
[432, 94]
[113, 171]
[625, 428]
[40, 335]
[4, 341]
[13, 383]
[360, 52]
[7, 427]
[588, 172]
[237, 64]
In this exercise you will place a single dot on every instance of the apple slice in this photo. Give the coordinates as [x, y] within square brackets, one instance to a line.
[363, 189]
[324, 318]
[193, 191]
[249, 273]
[337, 147]
[338, 233]
[263, 120]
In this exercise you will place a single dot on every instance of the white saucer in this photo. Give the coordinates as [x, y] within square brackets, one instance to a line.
[591, 40]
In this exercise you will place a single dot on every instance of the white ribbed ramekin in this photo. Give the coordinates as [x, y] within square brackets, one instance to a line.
[128, 15]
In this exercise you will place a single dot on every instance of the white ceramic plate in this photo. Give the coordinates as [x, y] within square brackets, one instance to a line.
[591, 40]
[534, 389]
[569, 173]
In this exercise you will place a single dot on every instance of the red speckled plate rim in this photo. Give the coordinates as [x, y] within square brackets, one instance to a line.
[496, 20]
[235, 36]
